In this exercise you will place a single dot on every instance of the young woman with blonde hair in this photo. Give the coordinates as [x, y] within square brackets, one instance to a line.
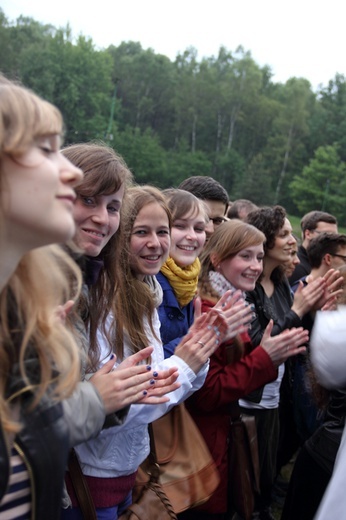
[39, 358]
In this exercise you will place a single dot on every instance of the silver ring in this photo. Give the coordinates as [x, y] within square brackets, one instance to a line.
[201, 343]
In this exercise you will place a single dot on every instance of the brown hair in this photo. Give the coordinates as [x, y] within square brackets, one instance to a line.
[104, 173]
[181, 203]
[226, 242]
[134, 301]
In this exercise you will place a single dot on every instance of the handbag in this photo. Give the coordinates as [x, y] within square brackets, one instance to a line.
[188, 473]
[149, 500]
[243, 463]
[81, 487]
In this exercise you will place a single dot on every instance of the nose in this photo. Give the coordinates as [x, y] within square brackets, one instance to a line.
[191, 233]
[209, 228]
[69, 173]
[256, 265]
[153, 241]
[292, 240]
[100, 214]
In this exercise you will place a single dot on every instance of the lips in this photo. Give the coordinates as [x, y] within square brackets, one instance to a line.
[187, 248]
[94, 233]
[152, 258]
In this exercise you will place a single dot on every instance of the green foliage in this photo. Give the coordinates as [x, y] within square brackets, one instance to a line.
[144, 155]
[222, 115]
[322, 184]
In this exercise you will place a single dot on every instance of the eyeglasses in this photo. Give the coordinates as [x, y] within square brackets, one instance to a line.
[340, 256]
[217, 220]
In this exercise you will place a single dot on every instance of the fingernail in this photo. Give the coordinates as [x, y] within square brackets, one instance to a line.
[145, 392]
[148, 367]
[155, 374]
[252, 307]
[112, 356]
[223, 305]
[209, 327]
[152, 381]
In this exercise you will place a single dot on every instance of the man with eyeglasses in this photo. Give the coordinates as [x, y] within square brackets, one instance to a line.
[312, 224]
[326, 253]
[213, 195]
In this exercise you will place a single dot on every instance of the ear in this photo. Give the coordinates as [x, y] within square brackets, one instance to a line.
[214, 259]
[307, 234]
[327, 259]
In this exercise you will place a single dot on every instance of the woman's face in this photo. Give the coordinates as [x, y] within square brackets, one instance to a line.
[284, 243]
[150, 240]
[97, 220]
[292, 262]
[187, 238]
[243, 269]
[38, 196]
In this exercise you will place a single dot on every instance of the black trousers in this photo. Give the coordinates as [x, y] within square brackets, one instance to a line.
[267, 424]
[306, 488]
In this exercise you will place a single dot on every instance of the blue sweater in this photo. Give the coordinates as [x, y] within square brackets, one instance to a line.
[175, 320]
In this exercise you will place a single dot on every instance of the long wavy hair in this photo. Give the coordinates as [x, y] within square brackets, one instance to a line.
[105, 172]
[134, 300]
[44, 278]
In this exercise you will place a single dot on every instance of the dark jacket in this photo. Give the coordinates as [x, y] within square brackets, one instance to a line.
[175, 320]
[264, 312]
[43, 443]
[323, 445]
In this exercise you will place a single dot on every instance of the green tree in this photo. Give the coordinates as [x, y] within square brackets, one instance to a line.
[322, 184]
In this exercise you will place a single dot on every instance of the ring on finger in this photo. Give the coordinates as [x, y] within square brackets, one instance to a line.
[201, 343]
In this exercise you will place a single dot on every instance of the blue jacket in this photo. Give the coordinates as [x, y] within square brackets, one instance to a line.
[175, 320]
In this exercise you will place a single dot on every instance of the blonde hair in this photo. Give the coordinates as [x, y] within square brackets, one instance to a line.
[134, 301]
[44, 279]
[24, 117]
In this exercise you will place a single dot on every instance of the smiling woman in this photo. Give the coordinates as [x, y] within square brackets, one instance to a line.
[179, 274]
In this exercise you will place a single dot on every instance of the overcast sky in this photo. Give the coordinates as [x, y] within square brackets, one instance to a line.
[302, 38]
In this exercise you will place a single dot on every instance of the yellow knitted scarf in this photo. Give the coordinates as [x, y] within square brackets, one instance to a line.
[182, 279]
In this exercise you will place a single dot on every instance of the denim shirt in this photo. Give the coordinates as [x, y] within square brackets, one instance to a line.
[175, 320]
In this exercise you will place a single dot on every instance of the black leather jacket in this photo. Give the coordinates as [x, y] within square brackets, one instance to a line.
[323, 445]
[264, 312]
[43, 443]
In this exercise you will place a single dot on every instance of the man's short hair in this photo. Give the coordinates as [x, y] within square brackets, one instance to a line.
[205, 188]
[241, 205]
[323, 244]
[311, 220]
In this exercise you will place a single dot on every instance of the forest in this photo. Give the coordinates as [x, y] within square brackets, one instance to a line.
[221, 115]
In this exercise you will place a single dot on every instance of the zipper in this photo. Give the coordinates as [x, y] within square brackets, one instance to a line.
[31, 478]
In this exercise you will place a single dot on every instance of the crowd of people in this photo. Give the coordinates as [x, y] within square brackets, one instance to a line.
[119, 302]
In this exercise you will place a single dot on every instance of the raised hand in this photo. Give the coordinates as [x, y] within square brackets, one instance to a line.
[287, 344]
[204, 337]
[306, 297]
[129, 382]
[237, 311]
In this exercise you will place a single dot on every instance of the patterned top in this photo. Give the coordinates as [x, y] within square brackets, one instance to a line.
[16, 503]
